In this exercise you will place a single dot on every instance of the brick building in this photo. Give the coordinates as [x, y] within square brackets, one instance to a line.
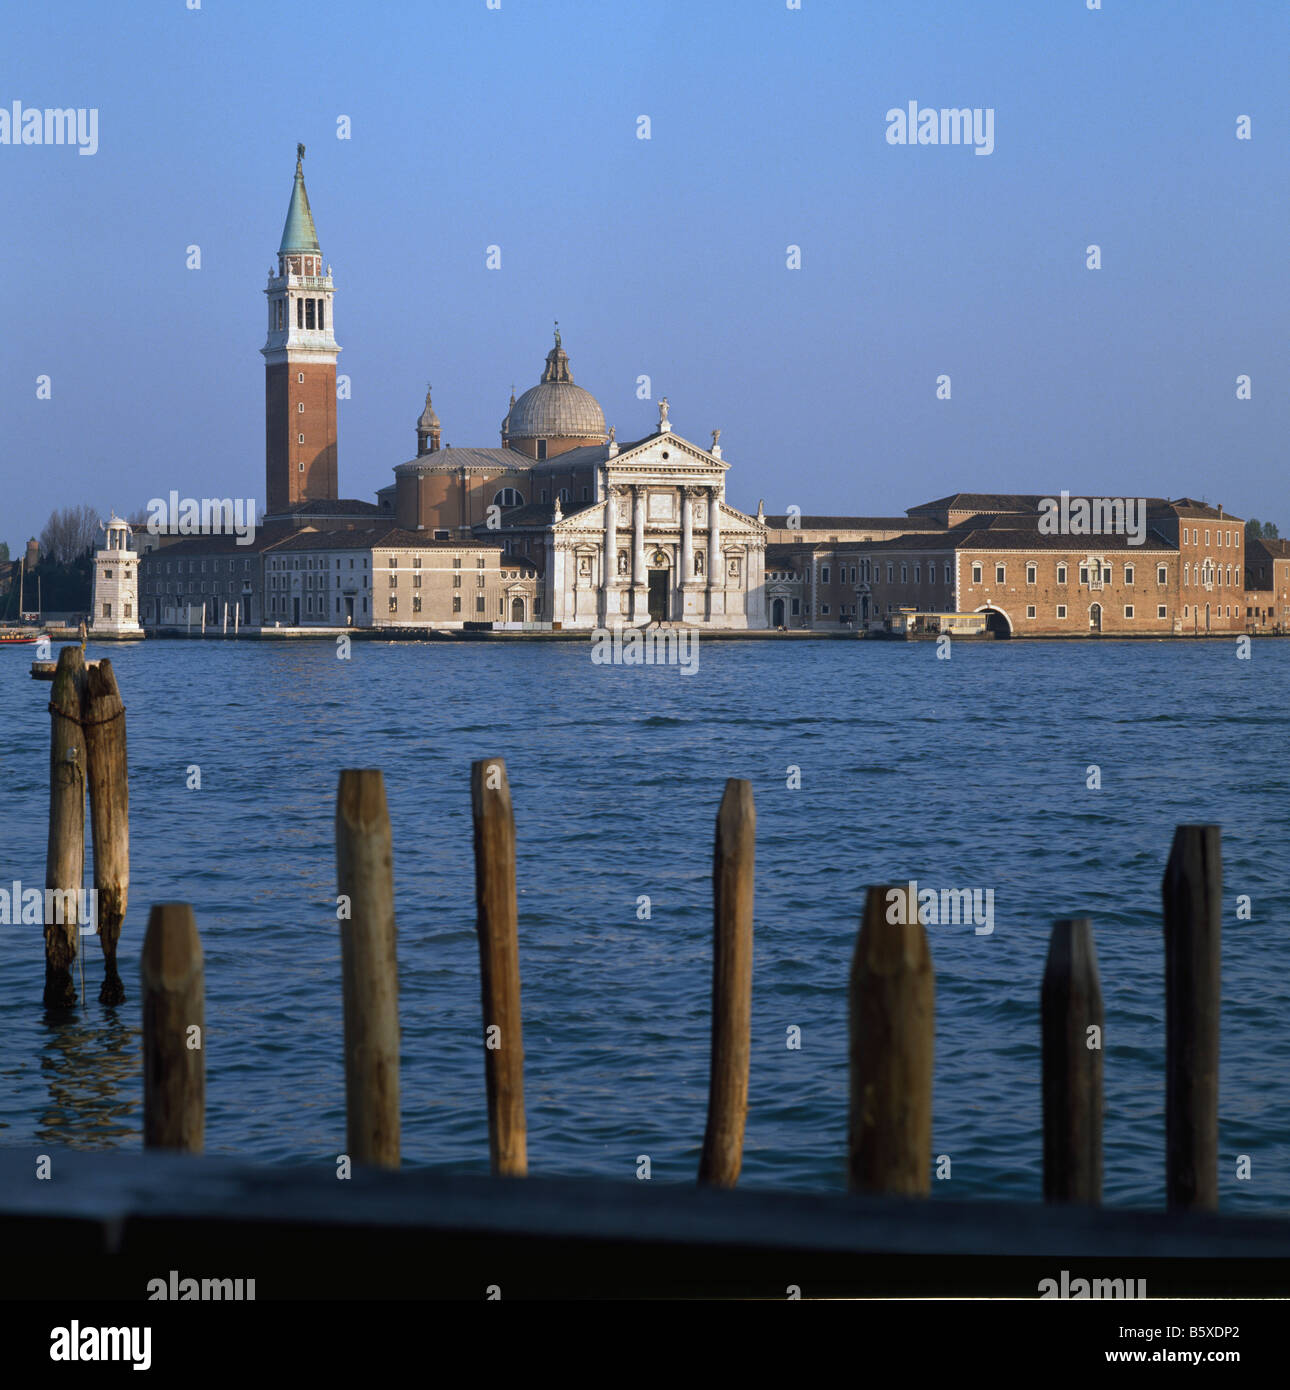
[1179, 573]
[1267, 585]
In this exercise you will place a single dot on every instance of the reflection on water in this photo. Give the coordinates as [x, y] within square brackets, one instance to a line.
[92, 1069]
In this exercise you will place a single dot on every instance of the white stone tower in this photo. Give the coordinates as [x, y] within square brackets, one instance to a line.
[116, 583]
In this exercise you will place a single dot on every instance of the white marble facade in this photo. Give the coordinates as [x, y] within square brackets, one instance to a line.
[659, 545]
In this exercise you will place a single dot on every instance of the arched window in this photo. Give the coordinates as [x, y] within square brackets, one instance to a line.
[564, 494]
[508, 497]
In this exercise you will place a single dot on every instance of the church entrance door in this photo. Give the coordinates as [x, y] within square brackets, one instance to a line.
[295, 611]
[658, 595]
[777, 613]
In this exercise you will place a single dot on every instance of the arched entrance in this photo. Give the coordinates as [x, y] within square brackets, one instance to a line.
[864, 607]
[777, 613]
[996, 621]
[659, 583]
[517, 610]
[1095, 618]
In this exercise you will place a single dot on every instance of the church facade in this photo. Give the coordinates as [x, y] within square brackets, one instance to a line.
[619, 534]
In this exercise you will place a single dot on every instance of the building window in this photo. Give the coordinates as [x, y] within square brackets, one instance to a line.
[300, 377]
[948, 580]
[1162, 576]
[508, 497]
[456, 581]
[1128, 574]
[416, 603]
[1061, 610]
[456, 603]
[107, 610]
[917, 571]
[824, 574]
[1032, 574]
[976, 574]
[394, 581]
[479, 604]
[891, 571]
[1030, 610]
[904, 574]
[300, 407]
[797, 607]
[1206, 535]
[1061, 574]
[1106, 575]
[394, 604]
[999, 574]
[394, 562]
[541, 453]
[824, 608]
[300, 313]
[479, 581]
[1128, 610]
[1161, 611]
[442, 536]
[416, 581]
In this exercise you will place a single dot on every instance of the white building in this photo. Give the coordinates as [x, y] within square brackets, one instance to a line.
[116, 583]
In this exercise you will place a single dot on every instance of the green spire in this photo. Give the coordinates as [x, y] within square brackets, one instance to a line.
[299, 234]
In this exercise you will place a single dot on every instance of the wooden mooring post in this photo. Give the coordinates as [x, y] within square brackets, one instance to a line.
[103, 721]
[174, 1031]
[369, 968]
[732, 956]
[1071, 1027]
[1193, 910]
[65, 857]
[892, 1034]
[499, 965]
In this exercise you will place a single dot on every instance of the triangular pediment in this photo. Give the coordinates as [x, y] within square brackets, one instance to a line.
[648, 453]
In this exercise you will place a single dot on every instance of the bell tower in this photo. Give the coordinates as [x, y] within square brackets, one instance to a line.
[300, 463]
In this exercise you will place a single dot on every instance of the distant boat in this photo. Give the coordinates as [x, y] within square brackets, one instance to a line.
[15, 636]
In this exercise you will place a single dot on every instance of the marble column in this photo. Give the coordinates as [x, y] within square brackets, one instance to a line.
[687, 535]
[640, 581]
[716, 563]
[609, 561]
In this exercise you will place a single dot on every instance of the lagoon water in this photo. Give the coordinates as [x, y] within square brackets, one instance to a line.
[967, 773]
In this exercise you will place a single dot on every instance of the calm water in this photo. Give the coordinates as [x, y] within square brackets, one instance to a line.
[967, 773]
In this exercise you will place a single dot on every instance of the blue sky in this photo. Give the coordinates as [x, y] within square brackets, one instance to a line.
[517, 127]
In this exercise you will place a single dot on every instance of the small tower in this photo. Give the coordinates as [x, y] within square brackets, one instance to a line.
[300, 454]
[427, 428]
[116, 583]
[33, 553]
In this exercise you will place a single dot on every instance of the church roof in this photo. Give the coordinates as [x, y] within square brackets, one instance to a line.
[556, 408]
[298, 232]
[447, 459]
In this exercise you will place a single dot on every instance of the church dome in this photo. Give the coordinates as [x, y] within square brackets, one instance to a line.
[555, 408]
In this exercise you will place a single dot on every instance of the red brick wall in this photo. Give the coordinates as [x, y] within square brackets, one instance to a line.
[286, 483]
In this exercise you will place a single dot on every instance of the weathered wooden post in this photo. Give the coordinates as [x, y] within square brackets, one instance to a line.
[104, 721]
[1193, 910]
[65, 857]
[174, 1031]
[1071, 1026]
[499, 965]
[369, 968]
[732, 912]
[892, 1024]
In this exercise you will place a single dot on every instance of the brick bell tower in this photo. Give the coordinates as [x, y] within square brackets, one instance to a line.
[299, 365]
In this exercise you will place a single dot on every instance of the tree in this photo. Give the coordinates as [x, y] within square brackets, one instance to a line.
[4, 552]
[69, 533]
[1253, 530]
